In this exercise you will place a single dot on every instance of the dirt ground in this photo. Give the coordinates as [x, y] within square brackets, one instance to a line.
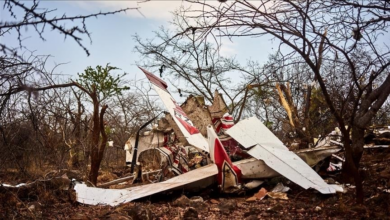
[50, 201]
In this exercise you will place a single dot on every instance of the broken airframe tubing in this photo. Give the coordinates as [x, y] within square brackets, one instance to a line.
[136, 141]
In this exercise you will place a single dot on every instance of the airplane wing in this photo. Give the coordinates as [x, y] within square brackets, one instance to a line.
[113, 197]
[191, 133]
[262, 144]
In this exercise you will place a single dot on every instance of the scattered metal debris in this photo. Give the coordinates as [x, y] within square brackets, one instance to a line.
[62, 183]
[334, 167]
[313, 156]
[187, 128]
[384, 190]
[377, 136]
[333, 138]
[336, 163]
[127, 178]
[262, 144]
[253, 184]
[371, 146]
[280, 188]
[201, 177]
[261, 194]
[234, 155]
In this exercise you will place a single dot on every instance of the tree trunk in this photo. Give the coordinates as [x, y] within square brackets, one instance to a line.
[350, 167]
[87, 134]
[103, 142]
[99, 143]
[357, 144]
[93, 173]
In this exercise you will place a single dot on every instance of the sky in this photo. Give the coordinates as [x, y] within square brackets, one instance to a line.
[112, 36]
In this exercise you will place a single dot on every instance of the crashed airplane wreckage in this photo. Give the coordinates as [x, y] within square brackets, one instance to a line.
[236, 156]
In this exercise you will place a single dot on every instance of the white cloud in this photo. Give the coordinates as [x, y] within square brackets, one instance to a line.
[150, 9]
[160, 10]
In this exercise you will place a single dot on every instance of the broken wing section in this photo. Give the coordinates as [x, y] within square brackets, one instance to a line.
[191, 133]
[113, 197]
[262, 144]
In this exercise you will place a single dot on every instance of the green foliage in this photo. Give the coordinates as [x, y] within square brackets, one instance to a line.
[101, 81]
[261, 92]
[268, 124]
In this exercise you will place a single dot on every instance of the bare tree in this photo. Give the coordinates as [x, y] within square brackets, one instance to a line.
[26, 93]
[18, 66]
[197, 65]
[127, 113]
[321, 34]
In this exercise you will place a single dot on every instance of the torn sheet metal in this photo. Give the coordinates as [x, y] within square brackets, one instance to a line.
[221, 125]
[333, 138]
[336, 163]
[280, 188]
[13, 186]
[255, 169]
[379, 136]
[262, 144]
[191, 133]
[253, 184]
[154, 159]
[61, 183]
[338, 158]
[313, 156]
[127, 178]
[114, 197]
[368, 146]
[334, 167]
[150, 141]
[229, 176]
[250, 132]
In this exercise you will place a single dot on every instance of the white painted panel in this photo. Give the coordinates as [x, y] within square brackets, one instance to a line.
[292, 167]
[145, 142]
[266, 146]
[197, 140]
[252, 131]
[255, 169]
[114, 197]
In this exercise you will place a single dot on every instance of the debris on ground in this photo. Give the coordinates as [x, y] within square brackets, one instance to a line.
[280, 188]
[50, 203]
[177, 146]
[261, 194]
[213, 176]
[277, 195]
